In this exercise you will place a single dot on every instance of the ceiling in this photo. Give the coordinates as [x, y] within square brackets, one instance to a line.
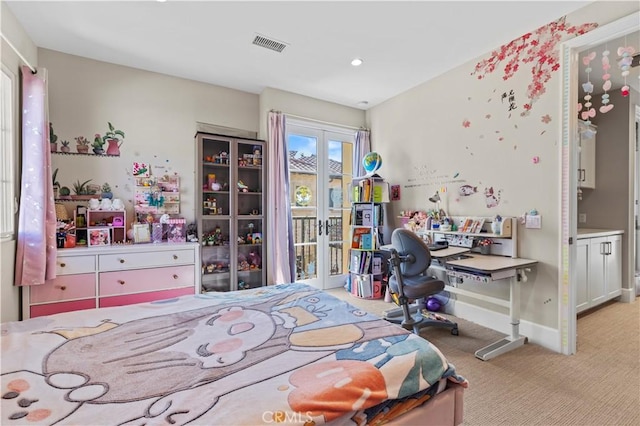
[402, 44]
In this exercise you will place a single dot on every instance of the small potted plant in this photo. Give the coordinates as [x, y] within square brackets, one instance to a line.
[98, 145]
[65, 193]
[114, 139]
[106, 191]
[485, 245]
[81, 190]
[53, 139]
[82, 145]
[65, 147]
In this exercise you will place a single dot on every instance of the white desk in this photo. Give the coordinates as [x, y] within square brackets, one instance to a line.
[492, 268]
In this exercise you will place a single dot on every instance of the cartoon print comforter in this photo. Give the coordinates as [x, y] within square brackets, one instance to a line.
[280, 354]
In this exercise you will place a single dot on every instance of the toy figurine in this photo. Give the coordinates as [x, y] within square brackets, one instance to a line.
[242, 187]
[255, 260]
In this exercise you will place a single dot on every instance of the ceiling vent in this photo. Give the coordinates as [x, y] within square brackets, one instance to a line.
[268, 43]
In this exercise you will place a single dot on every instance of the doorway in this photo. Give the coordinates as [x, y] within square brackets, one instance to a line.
[573, 91]
[320, 169]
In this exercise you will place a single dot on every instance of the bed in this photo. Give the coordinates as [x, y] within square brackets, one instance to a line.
[279, 354]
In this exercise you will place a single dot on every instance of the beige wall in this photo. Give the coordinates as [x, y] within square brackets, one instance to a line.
[425, 147]
[157, 113]
[13, 31]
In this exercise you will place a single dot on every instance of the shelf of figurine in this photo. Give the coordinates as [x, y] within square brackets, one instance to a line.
[215, 267]
[250, 262]
[215, 238]
[245, 189]
[157, 195]
[222, 159]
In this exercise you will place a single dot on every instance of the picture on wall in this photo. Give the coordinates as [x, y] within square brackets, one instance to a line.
[140, 169]
[99, 237]
[395, 192]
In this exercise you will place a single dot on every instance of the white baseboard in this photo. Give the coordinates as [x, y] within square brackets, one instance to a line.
[628, 295]
[541, 335]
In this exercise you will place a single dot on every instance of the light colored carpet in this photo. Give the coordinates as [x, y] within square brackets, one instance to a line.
[531, 385]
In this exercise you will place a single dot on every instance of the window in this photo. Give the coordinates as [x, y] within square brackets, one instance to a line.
[7, 159]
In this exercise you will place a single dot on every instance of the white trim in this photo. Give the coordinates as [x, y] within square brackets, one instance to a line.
[539, 334]
[8, 149]
[567, 302]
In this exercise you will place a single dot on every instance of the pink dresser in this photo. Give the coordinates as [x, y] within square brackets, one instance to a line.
[116, 275]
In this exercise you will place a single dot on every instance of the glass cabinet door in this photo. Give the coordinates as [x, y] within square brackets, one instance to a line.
[250, 215]
[215, 228]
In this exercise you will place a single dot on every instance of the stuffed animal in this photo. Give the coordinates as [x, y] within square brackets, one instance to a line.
[255, 260]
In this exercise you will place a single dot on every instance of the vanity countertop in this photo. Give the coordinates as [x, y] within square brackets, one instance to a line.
[592, 233]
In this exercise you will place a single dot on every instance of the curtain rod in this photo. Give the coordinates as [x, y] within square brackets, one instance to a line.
[22, 58]
[321, 121]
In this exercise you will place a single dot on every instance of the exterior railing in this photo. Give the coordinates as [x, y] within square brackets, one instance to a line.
[305, 231]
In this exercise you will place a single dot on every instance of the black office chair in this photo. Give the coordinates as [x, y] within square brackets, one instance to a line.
[410, 259]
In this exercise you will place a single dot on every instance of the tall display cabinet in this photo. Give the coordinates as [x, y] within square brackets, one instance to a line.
[230, 211]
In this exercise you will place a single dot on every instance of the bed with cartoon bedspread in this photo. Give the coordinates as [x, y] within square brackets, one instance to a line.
[283, 354]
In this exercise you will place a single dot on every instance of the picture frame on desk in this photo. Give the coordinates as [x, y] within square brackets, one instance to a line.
[141, 233]
[99, 237]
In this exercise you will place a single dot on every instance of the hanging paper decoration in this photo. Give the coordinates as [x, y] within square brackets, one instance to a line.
[588, 89]
[626, 54]
[606, 106]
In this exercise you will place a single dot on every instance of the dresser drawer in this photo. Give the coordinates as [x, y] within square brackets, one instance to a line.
[64, 287]
[145, 280]
[56, 308]
[116, 262]
[75, 265]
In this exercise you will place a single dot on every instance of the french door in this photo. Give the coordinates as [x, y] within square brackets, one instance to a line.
[320, 169]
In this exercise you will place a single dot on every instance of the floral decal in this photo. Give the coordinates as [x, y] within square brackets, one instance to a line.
[537, 48]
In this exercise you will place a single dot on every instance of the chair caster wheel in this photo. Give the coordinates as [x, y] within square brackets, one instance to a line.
[454, 331]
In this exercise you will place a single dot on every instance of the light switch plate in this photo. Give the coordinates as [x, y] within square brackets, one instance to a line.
[533, 222]
[582, 218]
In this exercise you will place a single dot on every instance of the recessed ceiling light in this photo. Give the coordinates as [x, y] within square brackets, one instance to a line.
[356, 62]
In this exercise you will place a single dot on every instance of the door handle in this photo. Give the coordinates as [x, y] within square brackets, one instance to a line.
[319, 227]
[327, 228]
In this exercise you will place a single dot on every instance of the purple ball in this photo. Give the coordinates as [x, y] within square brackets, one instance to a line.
[433, 304]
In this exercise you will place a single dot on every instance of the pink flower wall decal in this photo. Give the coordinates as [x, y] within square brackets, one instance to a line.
[466, 123]
[537, 49]
[546, 119]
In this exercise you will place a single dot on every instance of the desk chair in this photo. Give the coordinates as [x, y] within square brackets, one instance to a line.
[410, 259]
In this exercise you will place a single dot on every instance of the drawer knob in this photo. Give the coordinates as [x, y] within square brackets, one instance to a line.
[175, 257]
[63, 287]
[175, 277]
[121, 260]
[62, 265]
[121, 282]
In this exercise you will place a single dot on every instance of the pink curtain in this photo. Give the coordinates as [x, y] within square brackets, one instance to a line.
[280, 224]
[36, 251]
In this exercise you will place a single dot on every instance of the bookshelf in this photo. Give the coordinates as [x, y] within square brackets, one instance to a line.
[367, 195]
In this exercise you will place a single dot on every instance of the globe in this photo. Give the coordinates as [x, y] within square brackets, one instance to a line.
[371, 162]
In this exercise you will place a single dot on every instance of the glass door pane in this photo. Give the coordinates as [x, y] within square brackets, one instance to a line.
[339, 163]
[303, 184]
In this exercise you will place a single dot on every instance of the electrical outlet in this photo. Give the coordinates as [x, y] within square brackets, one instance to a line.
[582, 218]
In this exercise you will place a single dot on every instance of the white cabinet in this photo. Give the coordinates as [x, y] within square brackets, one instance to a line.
[599, 270]
[587, 155]
[582, 292]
